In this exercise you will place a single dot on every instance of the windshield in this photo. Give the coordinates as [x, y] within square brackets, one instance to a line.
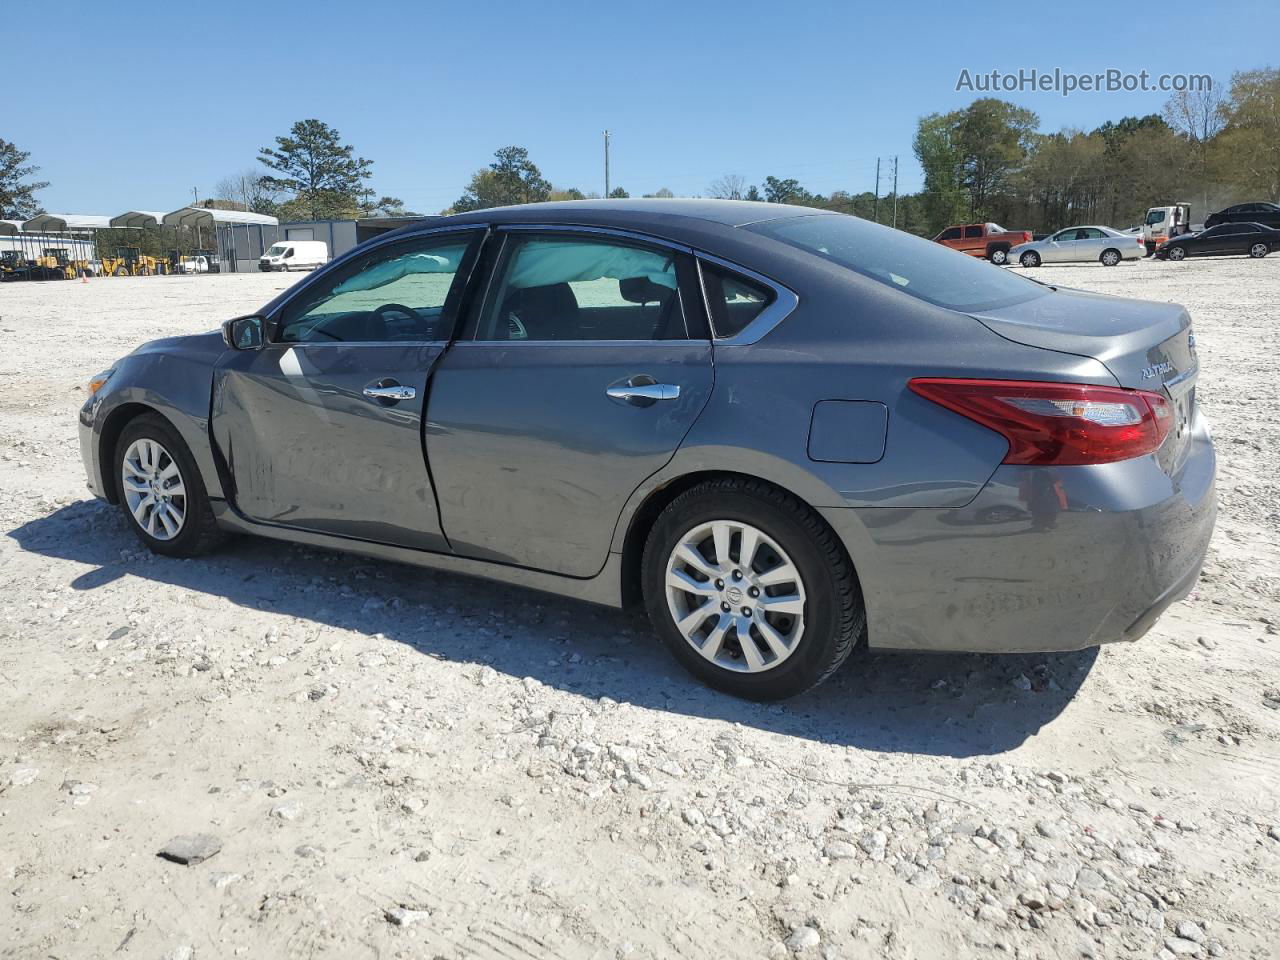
[277, 250]
[918, 267]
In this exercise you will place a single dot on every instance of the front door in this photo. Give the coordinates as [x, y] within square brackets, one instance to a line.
[577, 377]
[322, 428]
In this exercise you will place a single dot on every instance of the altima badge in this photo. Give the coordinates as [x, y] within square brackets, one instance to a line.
[1157, 370]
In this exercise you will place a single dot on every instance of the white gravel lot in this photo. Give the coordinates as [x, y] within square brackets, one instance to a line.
[397, 763]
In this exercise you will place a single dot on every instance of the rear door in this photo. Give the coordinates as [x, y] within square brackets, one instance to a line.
[322, 428]
[579, 373]
[975, 239]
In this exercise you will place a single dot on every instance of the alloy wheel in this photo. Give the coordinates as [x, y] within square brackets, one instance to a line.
[1110, 258]
[153, 489]
[736, 596]
[1258, 250]
[999, 257]
[1177, 253]
[1029, 259]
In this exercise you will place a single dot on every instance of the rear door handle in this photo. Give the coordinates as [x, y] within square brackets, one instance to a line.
[389, 391]
[644, 394]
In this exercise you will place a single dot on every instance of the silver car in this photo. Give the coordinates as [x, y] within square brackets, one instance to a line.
[785, 433]
[1080, 245]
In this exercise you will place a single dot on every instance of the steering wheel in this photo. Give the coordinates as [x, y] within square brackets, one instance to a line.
[401, 308]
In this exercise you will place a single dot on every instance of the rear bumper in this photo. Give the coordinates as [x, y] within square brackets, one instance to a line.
[1043, 559]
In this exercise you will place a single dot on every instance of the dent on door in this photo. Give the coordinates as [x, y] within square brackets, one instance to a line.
[311, 441]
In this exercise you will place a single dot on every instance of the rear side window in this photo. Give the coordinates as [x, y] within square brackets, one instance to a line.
[734, 301]
[576, 288]
[909, 264]
[971, 232]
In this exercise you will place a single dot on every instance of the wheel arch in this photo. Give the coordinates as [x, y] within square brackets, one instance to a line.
[646, 515]
[109, 437]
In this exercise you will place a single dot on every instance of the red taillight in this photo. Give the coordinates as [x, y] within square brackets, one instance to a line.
[1066, 424]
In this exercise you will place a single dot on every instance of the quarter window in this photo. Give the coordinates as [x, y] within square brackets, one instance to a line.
[573, 288]
[395, 293]
[734, 301]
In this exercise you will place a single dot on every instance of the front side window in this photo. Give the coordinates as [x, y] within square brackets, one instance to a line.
[951, 233]
[393, 294]
[899, 260]
[550, 288]
[1154, 217]
[276, 250]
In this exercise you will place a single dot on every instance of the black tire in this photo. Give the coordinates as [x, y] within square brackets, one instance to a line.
[1110, 257]
[999, 256]
[199, 532]
[1030, 259]
[834, 613]
[1259, 250]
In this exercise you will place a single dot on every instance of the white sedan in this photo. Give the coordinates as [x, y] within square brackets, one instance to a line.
[1078, 245]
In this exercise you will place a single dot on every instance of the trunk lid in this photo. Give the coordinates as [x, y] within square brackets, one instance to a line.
[1145, 345]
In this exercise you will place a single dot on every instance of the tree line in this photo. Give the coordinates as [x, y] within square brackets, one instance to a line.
[988, 161]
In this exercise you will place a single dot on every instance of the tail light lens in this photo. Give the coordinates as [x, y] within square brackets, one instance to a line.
[1064, 424]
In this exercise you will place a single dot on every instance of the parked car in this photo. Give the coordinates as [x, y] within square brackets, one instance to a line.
[784, 432]
[1267, 214]
[192, 264]
[988, 240]
[1078, 245]
[295, 255]
[1224, 240]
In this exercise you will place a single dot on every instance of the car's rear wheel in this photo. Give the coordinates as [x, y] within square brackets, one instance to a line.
[1259, 250]
[1031, 259]
[1177, 253]
[161, 491]
[1110, 258]
[999, 256]
[750, 589]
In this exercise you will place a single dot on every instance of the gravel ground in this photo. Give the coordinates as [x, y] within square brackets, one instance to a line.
[346, 758]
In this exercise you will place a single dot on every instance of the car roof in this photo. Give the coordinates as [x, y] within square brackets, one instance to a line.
[731, 213]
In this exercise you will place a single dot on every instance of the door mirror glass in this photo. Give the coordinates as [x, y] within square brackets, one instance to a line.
[244, 333]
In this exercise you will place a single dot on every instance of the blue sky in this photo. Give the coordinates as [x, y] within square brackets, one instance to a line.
[144, 106]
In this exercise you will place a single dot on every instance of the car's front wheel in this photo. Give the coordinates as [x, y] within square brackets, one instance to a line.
[750, 589]
[1259, 250]
[1177, 253]
[1031, 259]
[161, 490]
[1110, 258]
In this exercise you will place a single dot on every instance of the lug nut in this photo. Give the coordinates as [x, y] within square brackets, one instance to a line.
[719, 584]
[737, 574]
[754, 591]
[746, 611]
[724, 607]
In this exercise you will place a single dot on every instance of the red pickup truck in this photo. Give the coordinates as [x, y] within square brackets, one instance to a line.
[989, 240]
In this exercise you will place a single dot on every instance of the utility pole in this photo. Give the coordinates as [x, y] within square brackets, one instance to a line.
[606, 164]
[895, 191]
[875, 206]
[195, 197]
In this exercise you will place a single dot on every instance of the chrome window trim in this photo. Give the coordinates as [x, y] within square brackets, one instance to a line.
[580, 343]
[785, 301]
[607, 231]
[355, 343]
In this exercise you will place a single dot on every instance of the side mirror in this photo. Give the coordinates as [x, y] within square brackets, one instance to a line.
[244, 333]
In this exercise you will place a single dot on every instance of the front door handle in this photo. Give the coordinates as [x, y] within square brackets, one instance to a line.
[643, 394]
[388, 392]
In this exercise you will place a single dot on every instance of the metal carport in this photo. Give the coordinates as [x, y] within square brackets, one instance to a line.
[201, 217]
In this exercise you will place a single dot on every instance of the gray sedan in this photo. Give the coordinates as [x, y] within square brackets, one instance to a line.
[784, 433]
[1080, 245]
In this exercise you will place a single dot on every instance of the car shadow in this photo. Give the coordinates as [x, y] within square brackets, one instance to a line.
[955, 705]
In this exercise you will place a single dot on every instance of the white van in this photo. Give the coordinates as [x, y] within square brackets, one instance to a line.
[295, 255]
